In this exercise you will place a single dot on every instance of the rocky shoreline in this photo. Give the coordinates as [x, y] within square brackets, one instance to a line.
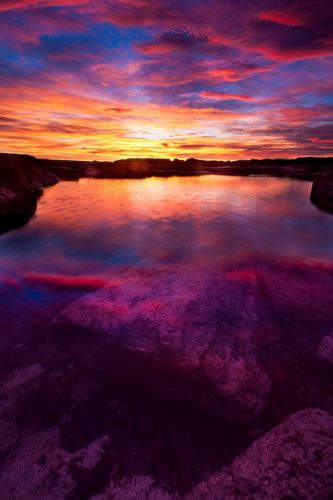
[21, 184]
[23, 177]
[299, 168]
[322, 192]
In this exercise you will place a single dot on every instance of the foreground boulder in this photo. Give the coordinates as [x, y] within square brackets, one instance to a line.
[294, 460]
[322, 192]
[202, 334]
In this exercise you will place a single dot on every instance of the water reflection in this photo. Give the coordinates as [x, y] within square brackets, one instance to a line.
[88, 228]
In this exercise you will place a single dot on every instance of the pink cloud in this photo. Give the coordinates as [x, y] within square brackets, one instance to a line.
[280, 17]
[237, 72]
[7, 5]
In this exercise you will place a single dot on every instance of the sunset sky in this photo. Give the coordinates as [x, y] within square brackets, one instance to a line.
[221, 79]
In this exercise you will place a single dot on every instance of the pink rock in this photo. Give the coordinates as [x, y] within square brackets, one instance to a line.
[41, 469]
[197, 333]
[294, 460]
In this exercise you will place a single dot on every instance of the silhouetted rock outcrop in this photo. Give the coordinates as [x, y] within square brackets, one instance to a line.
[322, 192]
[300, 168]
[21, 182]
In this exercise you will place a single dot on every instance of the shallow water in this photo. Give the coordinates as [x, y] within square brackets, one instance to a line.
[89, 227]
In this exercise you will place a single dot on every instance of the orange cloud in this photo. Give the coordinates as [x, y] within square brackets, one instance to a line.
[224, 96]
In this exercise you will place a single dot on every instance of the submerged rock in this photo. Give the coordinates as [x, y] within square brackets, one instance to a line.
[182, 335]
[294, 460]
[199, 334]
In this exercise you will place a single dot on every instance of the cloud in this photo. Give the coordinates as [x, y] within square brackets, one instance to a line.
[84, 79]
[8, 5]
[224, 96]
[236, 72]
[280, 17]
[179, 39]
[120, 109]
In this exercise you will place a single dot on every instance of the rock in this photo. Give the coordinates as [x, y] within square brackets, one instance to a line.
[19, 390]
[190, 334]
[16, 209]
[325, 349]
[89, 458]
[301, 291]
[20, 174]
[132, 488]
[41, 469]
[322, 192]
[15, 396]
[34, 463]
[21, 182]
[294, 460]
[9, 434]
[197, 334]
[34, 397]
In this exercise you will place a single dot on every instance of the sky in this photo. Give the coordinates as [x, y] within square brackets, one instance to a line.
[213, 79]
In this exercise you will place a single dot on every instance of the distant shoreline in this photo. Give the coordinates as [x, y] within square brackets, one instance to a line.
[306, 168]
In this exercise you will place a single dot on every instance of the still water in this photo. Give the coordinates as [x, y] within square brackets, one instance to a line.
[88, 228]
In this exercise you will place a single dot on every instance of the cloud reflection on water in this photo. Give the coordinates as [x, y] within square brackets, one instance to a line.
[91, 227]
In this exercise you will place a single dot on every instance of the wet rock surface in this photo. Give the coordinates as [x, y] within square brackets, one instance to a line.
[218, 338]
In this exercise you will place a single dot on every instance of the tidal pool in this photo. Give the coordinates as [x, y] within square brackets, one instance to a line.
[88, 228]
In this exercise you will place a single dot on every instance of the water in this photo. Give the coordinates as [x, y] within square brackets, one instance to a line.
[88, 228]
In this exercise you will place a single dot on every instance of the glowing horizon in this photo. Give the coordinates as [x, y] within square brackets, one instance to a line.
[225, 80]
